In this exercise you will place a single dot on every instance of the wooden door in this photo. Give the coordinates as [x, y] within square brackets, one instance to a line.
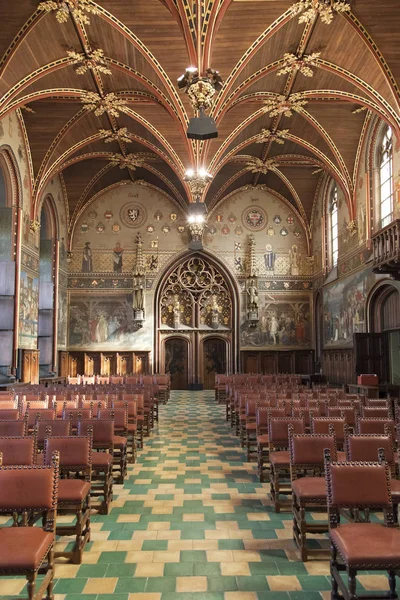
[176, 362]
[372, 355]
[214, 361]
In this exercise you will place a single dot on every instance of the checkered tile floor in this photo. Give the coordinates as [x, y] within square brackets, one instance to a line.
[192, 522]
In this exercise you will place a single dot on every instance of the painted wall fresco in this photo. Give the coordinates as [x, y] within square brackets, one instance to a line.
[104, 238]
[280, 242]
[99, 323]
[284, 323]
[345, 309]
[28, 310]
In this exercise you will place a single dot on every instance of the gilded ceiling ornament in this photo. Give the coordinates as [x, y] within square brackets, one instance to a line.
[94, 61]
[34, 226]
[309, 10]
[302, 64]
[120, 135]
[109, 103]
[78, 9]
[282, 105]
[266, 135]
[358, 110]
[200, 90]
[130, 161]
[27, 108]
[256, 165]
[352, 227]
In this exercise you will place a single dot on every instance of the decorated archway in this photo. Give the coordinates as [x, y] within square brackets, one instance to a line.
[196, 300]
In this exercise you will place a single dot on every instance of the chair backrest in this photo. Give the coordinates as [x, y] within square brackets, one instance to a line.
[362, 485]
[18, 450]
[37, 414]
[102, 431]
[322, 425]
[9, 414]
[308, 449]
[12, 428]
[373, 411]
[263, 413]
[49, 428]
[40, 485]
[74, 414]
[75, 452]
[278, 430]
[365, 447]
[376, 425]
[118, 415]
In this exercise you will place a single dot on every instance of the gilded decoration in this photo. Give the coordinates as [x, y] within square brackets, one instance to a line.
[195, 296]
[133, 214]
[254, 218]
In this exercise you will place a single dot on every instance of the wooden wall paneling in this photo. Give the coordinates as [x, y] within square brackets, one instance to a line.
[338, 366]
[64, 364]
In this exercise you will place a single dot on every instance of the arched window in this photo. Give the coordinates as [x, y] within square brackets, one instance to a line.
[386, 178]
[334, 227]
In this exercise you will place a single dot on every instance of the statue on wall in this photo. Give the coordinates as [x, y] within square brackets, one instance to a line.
[87, 260]
[117, 258]
[269, 258]
[253, 295]
[177, 311]
[214, 312]
[294, 261]
[138, 295]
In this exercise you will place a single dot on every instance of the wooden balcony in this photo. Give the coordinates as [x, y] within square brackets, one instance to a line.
[386, 250]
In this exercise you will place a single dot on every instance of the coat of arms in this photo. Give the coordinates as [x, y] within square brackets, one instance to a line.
[133, 214]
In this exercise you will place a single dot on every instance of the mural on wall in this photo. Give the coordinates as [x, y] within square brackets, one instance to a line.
[97, 323]
[62, 319]
[345, 309]
[28, 311]
[284, 323]
[103, 240]
[280, 240]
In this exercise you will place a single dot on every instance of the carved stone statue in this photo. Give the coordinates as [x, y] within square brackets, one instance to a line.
[138, 295]
[294, 261]
[177, 311]
[252, 292]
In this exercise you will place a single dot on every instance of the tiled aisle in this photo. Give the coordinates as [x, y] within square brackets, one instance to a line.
[192, 522]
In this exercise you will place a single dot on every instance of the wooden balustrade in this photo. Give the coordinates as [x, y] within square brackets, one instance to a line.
[386, 249]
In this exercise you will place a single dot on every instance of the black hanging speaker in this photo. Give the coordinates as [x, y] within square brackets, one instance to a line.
[202, 127]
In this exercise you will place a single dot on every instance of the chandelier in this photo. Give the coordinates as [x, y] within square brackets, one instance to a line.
[63, 8]
[256, 165]
[293, 63]
[266, 135]
[95, 61]
[120, 135]
[309, 10]
[197, 181]
[200, 90]
[285, 105]
[130, 161]
[109, 103]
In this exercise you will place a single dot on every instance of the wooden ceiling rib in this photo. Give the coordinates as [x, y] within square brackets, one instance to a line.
[149, 43]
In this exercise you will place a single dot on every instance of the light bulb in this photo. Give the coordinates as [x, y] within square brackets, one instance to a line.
[189, 173]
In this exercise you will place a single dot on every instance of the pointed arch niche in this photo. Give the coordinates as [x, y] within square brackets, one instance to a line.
[196, 300]
[10, 219]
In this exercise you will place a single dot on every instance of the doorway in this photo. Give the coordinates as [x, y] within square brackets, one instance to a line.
[196, 308]
[176, 362]
[214, 360]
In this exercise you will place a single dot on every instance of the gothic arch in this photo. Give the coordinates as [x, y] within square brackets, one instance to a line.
[376, 302]
[195, 334]
[12, 178]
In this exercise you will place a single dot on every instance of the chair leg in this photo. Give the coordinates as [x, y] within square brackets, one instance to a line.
[334, 584]
[392, 583]
[50, 595]
[352, 583]
[31, 587]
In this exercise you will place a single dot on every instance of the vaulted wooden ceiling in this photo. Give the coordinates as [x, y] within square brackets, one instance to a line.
[147, 45]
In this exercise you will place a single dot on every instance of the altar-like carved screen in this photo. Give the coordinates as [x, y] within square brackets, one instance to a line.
[196, 296]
